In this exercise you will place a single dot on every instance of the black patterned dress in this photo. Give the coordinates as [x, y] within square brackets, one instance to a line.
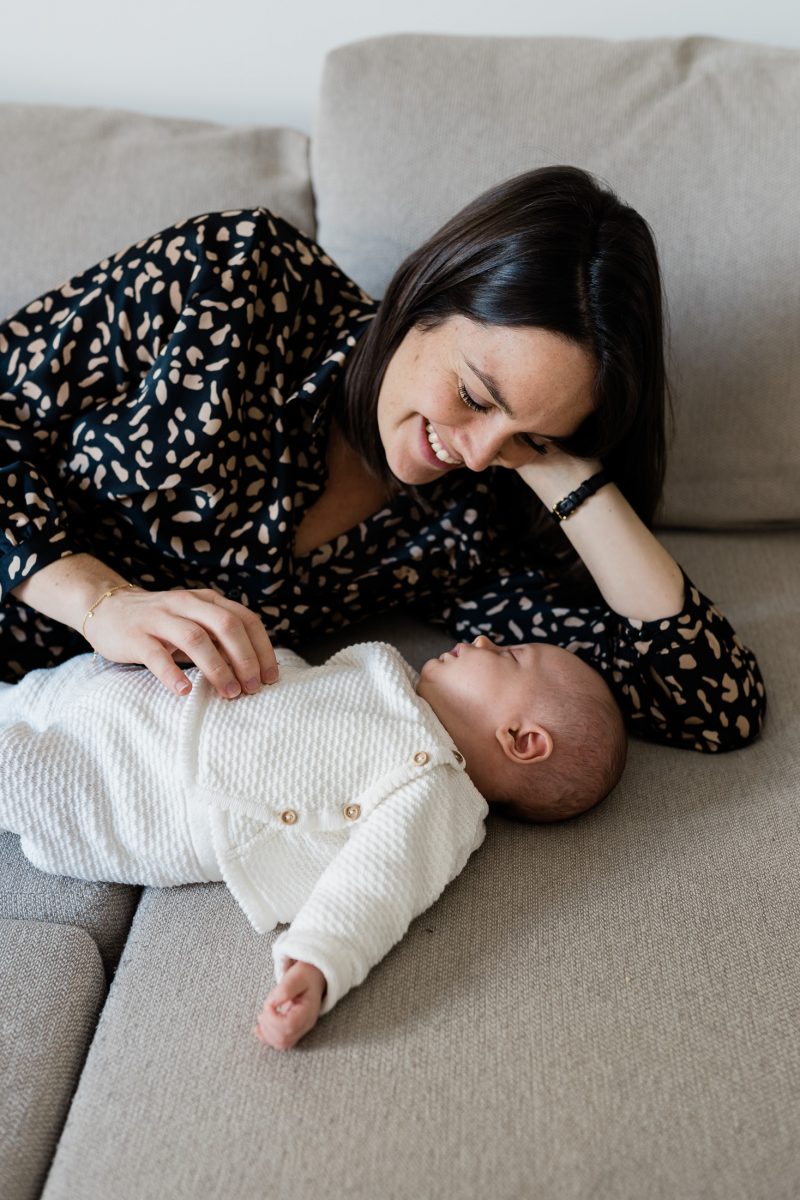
[168, 412]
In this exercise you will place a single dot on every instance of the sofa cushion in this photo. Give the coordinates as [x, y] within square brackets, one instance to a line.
[602, 1007]
[78, 184]
[103, 910]
[699, 134]
[53, 985]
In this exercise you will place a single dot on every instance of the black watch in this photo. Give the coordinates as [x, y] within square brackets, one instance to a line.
[565, 507]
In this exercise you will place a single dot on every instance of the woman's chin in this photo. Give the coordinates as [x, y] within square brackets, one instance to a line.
[414, 474]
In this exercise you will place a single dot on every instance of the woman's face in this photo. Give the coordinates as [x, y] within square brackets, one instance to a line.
[474, 396]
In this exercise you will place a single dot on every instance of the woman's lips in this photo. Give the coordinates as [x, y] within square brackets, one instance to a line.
[428, 450]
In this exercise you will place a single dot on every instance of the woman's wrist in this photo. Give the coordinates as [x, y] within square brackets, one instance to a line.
[554, 479]
[66, 589]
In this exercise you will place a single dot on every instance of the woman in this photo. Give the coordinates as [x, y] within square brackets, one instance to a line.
[215, 440]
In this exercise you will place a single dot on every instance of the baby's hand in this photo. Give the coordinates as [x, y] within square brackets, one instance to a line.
[292, 1007]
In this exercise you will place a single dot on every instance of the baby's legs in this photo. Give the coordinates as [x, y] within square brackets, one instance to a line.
[84, 797]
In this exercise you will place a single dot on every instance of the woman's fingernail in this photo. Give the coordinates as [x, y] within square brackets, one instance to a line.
[252, 685]
[182, 686]
[271, 675]
[232, 689]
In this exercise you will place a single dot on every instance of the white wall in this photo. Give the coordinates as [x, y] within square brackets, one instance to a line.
[260, 60]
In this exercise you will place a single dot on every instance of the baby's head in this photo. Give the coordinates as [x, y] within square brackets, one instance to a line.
[540, 730]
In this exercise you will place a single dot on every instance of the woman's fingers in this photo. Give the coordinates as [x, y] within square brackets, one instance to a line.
[159, 661]
[228, 643]
[241, 635]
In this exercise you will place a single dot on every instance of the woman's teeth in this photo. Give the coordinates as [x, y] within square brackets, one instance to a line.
[437, 447]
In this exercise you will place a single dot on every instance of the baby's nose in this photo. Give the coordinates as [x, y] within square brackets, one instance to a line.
[482, 641]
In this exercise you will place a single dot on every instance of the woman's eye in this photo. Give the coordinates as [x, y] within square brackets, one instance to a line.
[468, 400]
[524, 438]
[527, 440]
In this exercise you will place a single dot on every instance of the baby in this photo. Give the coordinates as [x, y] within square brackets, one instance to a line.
[342, 800]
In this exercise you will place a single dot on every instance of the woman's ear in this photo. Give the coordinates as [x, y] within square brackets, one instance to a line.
[525, 745]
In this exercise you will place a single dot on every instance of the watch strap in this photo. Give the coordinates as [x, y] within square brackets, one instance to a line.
[564, 508]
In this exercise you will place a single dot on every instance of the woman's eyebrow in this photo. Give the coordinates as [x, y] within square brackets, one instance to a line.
[495, 391]
[492, 387]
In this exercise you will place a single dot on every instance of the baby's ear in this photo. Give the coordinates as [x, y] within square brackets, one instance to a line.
[526, 744]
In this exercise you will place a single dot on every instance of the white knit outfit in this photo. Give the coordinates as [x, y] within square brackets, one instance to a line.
[334, 800]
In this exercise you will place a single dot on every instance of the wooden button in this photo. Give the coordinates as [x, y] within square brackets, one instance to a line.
[352, 811]
[289, 816]
[458, 757]
[421, 757]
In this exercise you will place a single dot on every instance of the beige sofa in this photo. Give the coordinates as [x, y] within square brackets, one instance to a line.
[605, 1009]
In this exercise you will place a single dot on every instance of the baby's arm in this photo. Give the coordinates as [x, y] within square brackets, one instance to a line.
[393, 867]
[292, 1007]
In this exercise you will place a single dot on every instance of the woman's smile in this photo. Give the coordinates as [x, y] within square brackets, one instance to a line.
[441, 455]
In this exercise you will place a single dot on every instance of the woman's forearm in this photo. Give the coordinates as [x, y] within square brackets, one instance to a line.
[636, 575]
[66, 589]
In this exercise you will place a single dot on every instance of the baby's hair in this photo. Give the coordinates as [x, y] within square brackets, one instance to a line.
[590, 749]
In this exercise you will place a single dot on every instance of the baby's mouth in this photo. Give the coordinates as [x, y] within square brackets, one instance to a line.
[438, 449]
[450, 653]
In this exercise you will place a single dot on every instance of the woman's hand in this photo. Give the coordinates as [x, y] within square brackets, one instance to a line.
[292, 1007]
[223, 638]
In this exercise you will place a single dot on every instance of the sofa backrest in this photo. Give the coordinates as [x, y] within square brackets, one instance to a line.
[77, 184]
[699, 134]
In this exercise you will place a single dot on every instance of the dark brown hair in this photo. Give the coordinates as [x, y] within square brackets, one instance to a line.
[550, 248]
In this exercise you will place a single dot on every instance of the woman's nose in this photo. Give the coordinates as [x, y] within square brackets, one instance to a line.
[479, 453]
[479, 447]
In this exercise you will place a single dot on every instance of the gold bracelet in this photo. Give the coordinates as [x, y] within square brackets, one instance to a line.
[100, 600]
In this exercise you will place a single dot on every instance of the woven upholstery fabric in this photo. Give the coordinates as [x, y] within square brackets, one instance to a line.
[103, 910]
[78, 184]
[605, 1007]
[52, 984]
[699, 134]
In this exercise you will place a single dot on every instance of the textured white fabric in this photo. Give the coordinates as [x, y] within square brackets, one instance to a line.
[86, 776]
[105, 775]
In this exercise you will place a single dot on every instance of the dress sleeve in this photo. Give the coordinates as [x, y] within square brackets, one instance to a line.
[33, 526]
[389, 871]
[67, 352]
[686, 680]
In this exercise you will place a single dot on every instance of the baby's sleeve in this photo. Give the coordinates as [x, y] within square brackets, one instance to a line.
[390, 870]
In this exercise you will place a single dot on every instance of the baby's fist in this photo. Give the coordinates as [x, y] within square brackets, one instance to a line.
[292, 1007]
